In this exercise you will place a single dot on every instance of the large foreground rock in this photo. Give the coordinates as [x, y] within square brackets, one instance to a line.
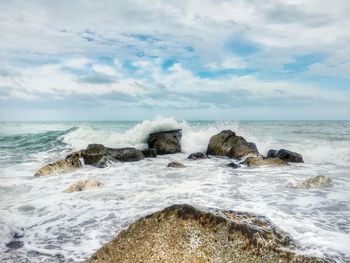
[99, 155]
[315, 182]
[70, 163]
[165, 142]
[83, 185]
[182, 233]
[286, 155]
[227, 143]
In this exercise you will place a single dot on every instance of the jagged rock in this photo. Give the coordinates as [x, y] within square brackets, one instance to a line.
[315, 182]
[70, 163]
[83, 185]
[233, 165]
[149, 153]
[285, 155]
[197, 156]
[165, 142]
[98, 155]
[176, 165]
[227, 143]
[260, 161]
[182, 233]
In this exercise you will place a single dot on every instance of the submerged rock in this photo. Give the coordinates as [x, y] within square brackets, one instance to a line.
[70, 163]
[165, 142]
[227, 143]
[197, 156]
[182, 233]
[286, 155]
[99, 155]
[176, 165]
[83, 185]
[315, 182]
[260, 161]
[233, 165]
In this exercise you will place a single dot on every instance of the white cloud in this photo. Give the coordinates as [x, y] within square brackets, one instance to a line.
[51, 80]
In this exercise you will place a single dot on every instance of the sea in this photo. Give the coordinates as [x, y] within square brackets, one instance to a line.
[41, 223]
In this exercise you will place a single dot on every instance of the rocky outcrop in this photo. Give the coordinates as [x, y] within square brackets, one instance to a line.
[197, 156]
[83, 185]
[259, 160]
[315, 182]
[182, 233]
[176, 165]
[227, 143]
[100, 156]
[285, 155]
[165, 142]
[70, 163]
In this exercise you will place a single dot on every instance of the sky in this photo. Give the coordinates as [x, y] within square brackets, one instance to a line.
[192, 60]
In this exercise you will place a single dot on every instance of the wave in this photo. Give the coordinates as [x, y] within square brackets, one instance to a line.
[33, 142]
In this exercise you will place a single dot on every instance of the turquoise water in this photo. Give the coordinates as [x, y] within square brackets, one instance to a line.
[55, 226]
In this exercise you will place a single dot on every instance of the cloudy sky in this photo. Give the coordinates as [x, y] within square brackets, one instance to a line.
[195, 60]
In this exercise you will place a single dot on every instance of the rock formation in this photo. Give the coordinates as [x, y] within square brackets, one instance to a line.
[176, 165]
[197, 156]
[227, 143]
[99, 155]
[83, 185]
[182, 233]
[258, 160]
[70, 163]
[165, 142]
[315, 182]
[285, 155]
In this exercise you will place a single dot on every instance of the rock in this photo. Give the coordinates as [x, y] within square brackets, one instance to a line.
[70, 163]
[182, 233]
[197, 156]
[260, 161]
[99, 156]
[93, 153]
[166, 142]
[227, 143]
[315, 182]
[233, 165]
[286, 155]
[149, 153]
[83, 185]
[176, 165]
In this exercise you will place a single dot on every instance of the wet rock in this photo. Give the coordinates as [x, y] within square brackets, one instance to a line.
[83, 185]
[176, 165]
[315, 182]
[182, 233]
[260, 161]
[149, 153]
[166, 142]
[93, 153]
[197, 156]
[227, 143]
[99, 156]
[70, 163]
[285, 155]
[15, 244]
[233, 165]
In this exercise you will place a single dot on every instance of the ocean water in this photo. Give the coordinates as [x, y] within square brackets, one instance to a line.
[51, 226]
